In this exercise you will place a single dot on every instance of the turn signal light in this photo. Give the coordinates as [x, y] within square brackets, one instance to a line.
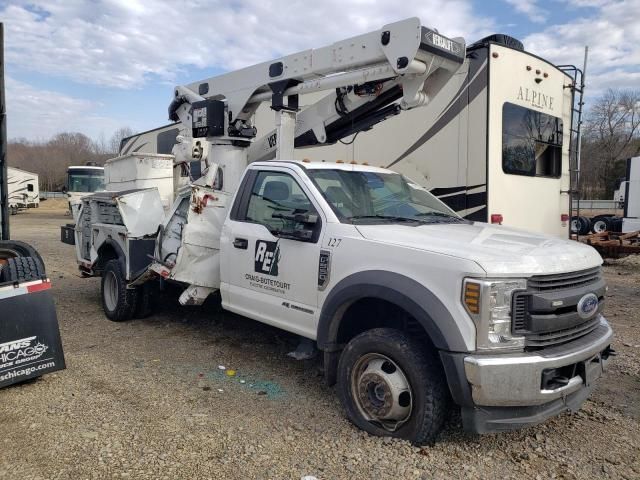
[472, 297]
[564, 217]
[496, 218]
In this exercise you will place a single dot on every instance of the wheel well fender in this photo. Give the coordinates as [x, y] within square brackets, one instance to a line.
[110, 250]
[417, 300]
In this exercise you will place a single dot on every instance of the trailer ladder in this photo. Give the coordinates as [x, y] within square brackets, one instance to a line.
[575, 141]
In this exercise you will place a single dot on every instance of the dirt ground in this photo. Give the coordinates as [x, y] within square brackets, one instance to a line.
[147, 399]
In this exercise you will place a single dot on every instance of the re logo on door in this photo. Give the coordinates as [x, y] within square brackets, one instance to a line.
[267, 257]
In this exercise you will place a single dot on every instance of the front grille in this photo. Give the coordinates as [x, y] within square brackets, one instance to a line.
[553, 325]
[519, 312]
[561, 281]
[539, 340]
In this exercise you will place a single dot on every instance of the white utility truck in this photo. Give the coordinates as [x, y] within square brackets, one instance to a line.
[413, 307]
[24, 191]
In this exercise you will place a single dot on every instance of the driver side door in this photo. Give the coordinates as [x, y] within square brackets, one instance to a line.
[272, 275]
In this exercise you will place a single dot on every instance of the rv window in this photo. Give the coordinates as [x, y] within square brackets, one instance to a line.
[30, 187]
[531, 142]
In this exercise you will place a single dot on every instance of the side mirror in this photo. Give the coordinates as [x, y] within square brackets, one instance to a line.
[308, 222]
[306, 218]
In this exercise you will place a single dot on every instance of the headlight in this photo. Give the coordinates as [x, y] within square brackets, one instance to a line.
[489, 305]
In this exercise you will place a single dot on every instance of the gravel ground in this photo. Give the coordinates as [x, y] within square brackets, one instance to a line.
[146, 399]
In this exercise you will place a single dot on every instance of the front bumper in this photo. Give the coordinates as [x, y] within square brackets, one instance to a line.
[501, 392]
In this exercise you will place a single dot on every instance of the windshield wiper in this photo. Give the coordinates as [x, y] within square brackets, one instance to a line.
[441, 215]
[391, 218]
[438, 214]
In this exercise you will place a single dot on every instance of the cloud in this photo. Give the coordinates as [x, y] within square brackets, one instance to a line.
[35, 113]
[613, 37]
[127, 43]
[530, 8]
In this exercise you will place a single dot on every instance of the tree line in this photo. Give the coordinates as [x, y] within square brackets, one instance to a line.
[50, 158]
[611, 134]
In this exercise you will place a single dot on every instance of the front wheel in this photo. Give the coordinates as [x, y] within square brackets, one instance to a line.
[118, 301]
[392, 385]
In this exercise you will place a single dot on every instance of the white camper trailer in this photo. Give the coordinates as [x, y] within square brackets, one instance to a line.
[24, 191]
[494, 144]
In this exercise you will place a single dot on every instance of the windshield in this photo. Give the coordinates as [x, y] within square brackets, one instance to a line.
[373, 197]
[86, 181]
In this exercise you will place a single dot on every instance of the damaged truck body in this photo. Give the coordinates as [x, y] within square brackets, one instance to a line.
[413, 307]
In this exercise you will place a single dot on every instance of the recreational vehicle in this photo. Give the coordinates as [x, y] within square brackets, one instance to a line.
[494, 144]
[23, 189]
[82, 180]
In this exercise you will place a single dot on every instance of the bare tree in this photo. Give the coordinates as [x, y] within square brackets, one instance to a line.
[50, 159]
[116, 138]
[611, 134]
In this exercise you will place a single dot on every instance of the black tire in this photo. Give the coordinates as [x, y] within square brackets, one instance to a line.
[429, 396]
[21, 269]
[580, 225]
[601, 223]
[616, 224]
[15, 248]
[118, 301]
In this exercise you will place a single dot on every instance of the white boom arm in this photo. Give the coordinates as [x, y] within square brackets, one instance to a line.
[373, 75]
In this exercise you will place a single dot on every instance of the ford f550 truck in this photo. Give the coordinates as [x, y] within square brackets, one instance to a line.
[414, 308]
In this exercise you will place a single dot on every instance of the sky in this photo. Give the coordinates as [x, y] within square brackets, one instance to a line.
[96, 66]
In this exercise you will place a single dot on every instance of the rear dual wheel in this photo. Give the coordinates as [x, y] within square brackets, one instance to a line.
[119, 302]
[602, 223]
[580, 225]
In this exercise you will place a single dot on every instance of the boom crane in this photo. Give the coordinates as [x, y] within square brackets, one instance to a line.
[372, 77]
[368, 78]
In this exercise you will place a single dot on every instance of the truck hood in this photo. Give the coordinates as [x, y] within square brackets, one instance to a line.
[499, 250]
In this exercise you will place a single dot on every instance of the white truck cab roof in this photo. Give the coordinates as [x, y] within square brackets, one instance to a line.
[328, 165]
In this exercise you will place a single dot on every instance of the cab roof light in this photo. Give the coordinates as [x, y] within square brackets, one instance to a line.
[339, 161]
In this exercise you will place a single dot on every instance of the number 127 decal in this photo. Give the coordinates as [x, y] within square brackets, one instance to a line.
[334, 242]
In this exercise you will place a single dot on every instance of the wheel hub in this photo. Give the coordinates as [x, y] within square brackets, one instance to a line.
[382, 391]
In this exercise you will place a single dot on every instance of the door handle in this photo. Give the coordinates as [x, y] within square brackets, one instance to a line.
[241, 243]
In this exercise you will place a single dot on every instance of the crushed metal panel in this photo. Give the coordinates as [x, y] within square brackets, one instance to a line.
[198, 261]
[141, 212]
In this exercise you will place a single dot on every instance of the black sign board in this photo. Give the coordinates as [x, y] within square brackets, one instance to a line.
[30, 343]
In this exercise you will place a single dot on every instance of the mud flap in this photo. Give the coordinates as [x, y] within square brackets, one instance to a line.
[30, 344]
